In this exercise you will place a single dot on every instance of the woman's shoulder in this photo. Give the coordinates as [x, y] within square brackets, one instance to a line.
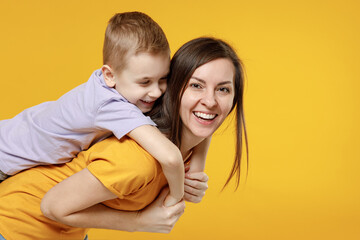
[122, 165]
[123, 146]
[122, 154]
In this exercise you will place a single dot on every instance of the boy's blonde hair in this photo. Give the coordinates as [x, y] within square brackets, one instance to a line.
[131, 33]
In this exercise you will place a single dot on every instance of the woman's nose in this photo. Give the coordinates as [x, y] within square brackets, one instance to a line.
[209, 99]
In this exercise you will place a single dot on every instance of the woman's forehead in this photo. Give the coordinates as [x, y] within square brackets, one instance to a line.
[220, 70]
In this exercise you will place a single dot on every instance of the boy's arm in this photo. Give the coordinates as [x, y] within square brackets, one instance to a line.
[168, 155]
[195, 178]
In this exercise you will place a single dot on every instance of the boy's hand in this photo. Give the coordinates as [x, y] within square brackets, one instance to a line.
[195, 186]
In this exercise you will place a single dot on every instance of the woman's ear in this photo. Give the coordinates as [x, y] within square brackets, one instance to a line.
[108, 76]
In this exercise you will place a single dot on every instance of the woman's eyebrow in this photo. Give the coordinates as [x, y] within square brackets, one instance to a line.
[203, 81]
[226, 82]
[198, 79]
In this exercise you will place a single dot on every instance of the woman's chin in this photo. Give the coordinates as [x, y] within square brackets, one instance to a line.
[202, 133]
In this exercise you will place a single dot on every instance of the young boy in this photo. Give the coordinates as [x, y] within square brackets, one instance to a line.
[136, 58]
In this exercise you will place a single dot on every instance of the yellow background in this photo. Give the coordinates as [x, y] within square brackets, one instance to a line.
[302, 101]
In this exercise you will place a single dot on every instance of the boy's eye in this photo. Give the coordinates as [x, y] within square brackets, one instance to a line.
[163, 80]
[145, 82]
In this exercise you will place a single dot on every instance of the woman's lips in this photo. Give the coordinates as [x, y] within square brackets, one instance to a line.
[205, 116]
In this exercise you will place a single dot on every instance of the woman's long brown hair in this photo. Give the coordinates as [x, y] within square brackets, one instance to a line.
[186, 60]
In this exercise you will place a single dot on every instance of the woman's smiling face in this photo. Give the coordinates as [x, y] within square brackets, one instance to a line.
[208, 98]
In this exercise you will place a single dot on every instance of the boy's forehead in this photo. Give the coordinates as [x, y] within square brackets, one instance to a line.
[134, 56]
[151, 53]
[147, 64]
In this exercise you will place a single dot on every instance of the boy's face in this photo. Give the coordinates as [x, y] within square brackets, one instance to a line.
[143, 80]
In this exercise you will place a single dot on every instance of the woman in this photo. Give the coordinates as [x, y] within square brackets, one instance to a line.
[119, 175]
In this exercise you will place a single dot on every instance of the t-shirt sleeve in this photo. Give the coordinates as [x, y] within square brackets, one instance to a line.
[120, 117]
[122, 166]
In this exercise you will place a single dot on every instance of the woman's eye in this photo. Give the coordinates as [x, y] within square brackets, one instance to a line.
[224, 89]
[195, 85]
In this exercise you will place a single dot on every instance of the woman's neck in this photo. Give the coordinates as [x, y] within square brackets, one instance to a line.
[188, 142]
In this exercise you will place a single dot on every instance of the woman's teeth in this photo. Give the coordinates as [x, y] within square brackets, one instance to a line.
[205, 115]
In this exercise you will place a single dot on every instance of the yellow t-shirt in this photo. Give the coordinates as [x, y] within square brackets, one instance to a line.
[122, 166]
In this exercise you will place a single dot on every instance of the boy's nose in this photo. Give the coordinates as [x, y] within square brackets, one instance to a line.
[155, 92]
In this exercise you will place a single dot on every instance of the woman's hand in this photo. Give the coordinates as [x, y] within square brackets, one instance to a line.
[195, 186]
[158, 218]
[85, 210]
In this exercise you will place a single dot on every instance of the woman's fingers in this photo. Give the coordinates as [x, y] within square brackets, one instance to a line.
[197, 180]
[200, 176]
[195, 186]
[193, 198]
[158, 218]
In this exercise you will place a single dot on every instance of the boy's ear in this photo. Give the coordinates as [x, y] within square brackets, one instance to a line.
[108, 76]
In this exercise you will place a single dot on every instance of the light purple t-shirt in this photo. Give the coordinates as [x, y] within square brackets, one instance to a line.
[55, 132]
